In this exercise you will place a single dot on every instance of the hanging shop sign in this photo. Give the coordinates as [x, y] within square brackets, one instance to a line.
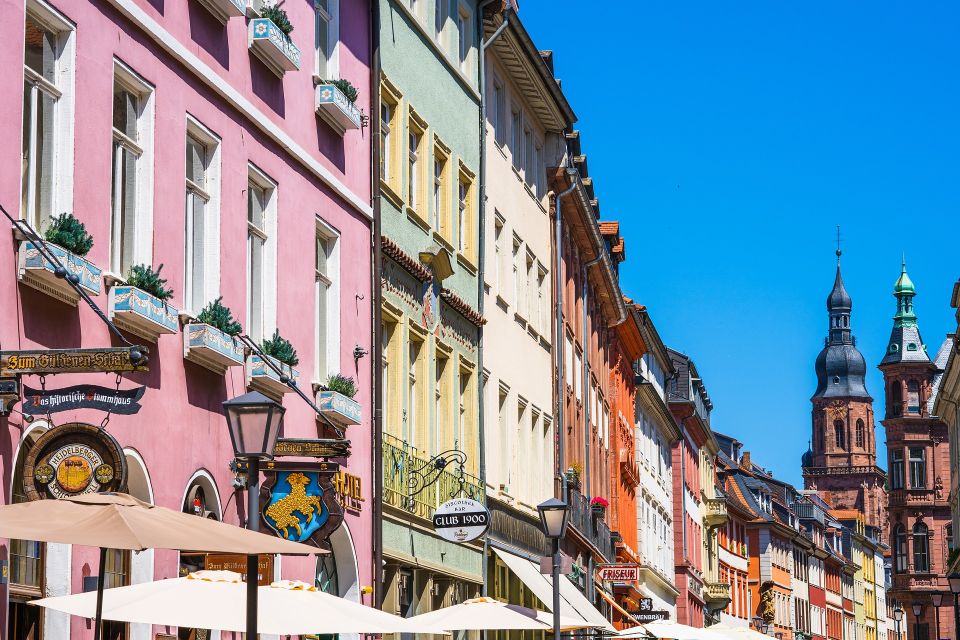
[349, 490]
[73, 459]
[50, 361]
[649, 616]
[621, 572]
[300, 502]
[311, 448]
[238, 564]
[83, 396]
[461, 520]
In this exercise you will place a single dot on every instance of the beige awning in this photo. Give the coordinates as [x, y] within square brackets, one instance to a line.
[573, 604]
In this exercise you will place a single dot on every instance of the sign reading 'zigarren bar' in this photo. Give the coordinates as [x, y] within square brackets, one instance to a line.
[111, 359]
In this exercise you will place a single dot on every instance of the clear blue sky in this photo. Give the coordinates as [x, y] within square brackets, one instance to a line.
[730, 138]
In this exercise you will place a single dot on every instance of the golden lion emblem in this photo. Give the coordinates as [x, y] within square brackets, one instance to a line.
[283, 511]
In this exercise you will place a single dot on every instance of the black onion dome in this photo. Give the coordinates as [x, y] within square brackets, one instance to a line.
[806, 460]
[841, 370]
[839, 299]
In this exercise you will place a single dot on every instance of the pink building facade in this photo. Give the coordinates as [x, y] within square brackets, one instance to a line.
[156, 123]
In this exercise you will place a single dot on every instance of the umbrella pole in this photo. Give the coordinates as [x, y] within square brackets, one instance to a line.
[253, 562]
[98, 623]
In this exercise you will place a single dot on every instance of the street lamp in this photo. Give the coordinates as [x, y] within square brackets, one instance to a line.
[937, 599]
[254, 421]
[554, 515]
[917, 612]
[761, 625]
[954, 580]
[897, 618]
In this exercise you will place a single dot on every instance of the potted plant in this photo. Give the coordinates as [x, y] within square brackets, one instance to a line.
[573, 474]
[270, 39]
[335, 103]
[281, 352]
[140, 305]
[336, 402]
[67, 239]
[211, 341]
[599, 506]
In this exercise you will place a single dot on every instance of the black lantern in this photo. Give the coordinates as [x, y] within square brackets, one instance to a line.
[553, 517]
[254, 421]
[936, 598]
[917, 609]
[954, 579]
[898, 613]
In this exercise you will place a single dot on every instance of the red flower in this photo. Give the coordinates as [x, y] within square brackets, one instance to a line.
[599, 502]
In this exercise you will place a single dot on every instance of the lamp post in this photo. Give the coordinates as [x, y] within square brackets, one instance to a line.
[954, 580]
[254, 421]
[554, 515]
[897, 618]
[917, 612]
[761, 625]
[937, 599]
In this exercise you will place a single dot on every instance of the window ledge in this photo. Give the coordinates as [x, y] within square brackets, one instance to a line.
[443, 242]
[386, 190]
[415, 217]
[503, 304]
[516, 172]
[466, 263]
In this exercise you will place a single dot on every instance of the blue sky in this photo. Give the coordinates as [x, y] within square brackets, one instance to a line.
[730, 138]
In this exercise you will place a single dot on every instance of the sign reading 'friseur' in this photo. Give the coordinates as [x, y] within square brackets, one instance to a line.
[111, 359]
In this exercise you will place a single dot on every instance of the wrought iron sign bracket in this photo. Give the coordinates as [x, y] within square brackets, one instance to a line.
[429, 472]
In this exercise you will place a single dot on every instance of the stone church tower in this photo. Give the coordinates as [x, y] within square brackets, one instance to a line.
[918, 456]
[842, 462]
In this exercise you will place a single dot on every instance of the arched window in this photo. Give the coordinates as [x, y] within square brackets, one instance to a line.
[860, 432]
[839, 435]
[921, 548]
[913, 397]
[896, 398]
[899, 549]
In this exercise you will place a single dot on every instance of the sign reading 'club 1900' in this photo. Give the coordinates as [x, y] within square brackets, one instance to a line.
[461, 520]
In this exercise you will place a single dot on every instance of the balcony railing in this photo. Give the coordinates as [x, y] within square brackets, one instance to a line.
[809, 511]
[716, 512]
[401, 463]
[718, 594]
[591, 527]
[912, 497]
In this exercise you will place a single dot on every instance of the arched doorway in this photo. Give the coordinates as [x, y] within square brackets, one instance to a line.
[338, 573]
[201, 498]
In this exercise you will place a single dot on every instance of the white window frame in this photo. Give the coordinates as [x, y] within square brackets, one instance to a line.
[268, 275]
[211, 226]
[465, 37]
[331, 357]
[61, 169]
[498, 106]
[331, 17]
[441, 14]
[143, 146]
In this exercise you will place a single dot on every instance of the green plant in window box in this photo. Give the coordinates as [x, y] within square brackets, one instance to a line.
[277, 16]
[68, 232]
[346, 89]
[280, 348]
[219, 316]
[342, 385]
[143, 277]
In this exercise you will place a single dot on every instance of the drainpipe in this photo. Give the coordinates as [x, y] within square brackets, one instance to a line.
[377, 303]
[559, 340]
[584, 270]
[481, 255]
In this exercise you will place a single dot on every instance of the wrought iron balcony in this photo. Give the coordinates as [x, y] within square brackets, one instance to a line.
[592, 527]
[716, 509]
[404, 466]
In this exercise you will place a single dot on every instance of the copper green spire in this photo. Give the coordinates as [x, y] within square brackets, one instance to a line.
[904, 292]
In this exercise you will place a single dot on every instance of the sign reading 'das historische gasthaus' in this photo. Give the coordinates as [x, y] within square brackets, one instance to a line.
[624, 572]
[84, 396]
[461, 520]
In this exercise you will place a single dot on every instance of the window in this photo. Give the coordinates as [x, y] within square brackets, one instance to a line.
[202, 218]
[517, 275]
[466, 422]
[913, 397]
[390, 375]
[839, 436]
[528, 155]
[465, 37]
[415, 165]
[543, 301]
[130, 241]
[327, 36]
[499, 254]
[116, 574]
[261, 220]
[441, 189]
[533, 315]
[896, 468]
[327, 308]
[506, 467]
[497, 111]
[441, 402]
[46, 172]
[516, 133]
[860, 433]
[414, 403]
[896, 398]
[390, 162]
[921, 548]
[465, 217]
[539, 170]
[918, 468]
[440, 10]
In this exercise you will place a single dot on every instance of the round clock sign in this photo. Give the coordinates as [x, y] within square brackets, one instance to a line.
[74, 459]
[461, 520]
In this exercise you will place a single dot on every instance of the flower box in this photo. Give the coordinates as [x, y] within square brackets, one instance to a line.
[37, 272]
[273, 46]
[211, 348]
[140, 313]
[340, 409]
[334, 107]
[225, 9]
[263, 378]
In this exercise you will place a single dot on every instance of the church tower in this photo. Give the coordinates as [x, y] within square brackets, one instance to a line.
[842, 462]
[918, 456]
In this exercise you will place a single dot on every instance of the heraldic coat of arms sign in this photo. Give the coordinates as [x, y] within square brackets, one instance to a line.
[301, 505]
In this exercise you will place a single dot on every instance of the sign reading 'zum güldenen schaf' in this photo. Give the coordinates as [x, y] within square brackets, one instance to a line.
[108, 360]
[84, 396]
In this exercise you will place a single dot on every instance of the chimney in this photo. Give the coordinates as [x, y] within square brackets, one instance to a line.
[745, 461]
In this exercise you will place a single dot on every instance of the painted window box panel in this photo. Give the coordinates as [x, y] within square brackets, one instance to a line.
[225, 9]
[37, 272]
[340, 409]
[263, 378]
[140, 313]
[273, 46]
[334, 107]
[211, 348]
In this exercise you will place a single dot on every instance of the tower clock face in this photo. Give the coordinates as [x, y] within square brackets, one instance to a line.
[837, 410]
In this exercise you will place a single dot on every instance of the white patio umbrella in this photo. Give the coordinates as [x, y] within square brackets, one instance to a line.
[738, 633]
[665, 629]
[479, 614]
[217, 600]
